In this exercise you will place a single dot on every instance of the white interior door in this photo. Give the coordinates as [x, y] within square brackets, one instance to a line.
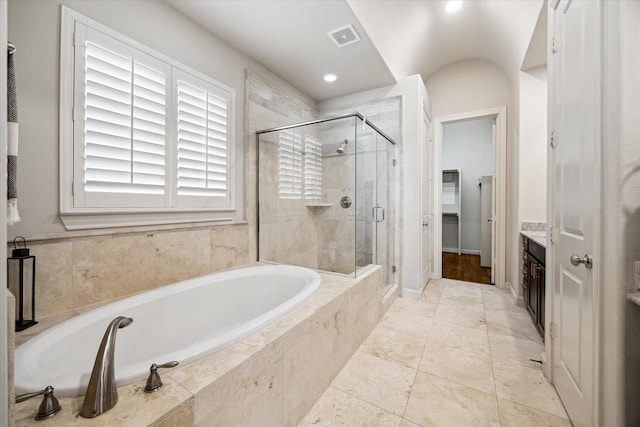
[426, 203]
[575, 106]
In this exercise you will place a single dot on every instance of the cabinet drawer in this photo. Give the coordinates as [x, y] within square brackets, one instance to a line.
[537, 251]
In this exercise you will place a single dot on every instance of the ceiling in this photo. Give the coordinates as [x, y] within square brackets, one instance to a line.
[290, 39]
[399, 38]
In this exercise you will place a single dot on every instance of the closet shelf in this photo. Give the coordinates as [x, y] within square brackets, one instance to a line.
[452, 198]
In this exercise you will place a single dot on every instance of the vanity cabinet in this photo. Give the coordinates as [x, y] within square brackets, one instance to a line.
[533, 281]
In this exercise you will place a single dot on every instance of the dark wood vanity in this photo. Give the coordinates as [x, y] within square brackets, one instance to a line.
[533, 280]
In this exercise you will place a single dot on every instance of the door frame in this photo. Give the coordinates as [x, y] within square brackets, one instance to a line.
[428, 139]
[500, 189]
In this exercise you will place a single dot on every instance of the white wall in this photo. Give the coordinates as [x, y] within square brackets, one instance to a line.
[467, 146]
[533, 146]
[415, 99]
[470, 85]
[619, 319]
[34, 26]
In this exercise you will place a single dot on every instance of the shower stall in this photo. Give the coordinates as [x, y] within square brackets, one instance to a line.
[327, 196]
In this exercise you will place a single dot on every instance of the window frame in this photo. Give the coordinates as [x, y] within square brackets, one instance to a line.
[78, 217]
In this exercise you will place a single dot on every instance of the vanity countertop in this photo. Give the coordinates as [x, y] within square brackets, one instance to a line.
[540, 237]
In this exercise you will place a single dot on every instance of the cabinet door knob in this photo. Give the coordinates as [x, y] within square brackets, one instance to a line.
[586, 260]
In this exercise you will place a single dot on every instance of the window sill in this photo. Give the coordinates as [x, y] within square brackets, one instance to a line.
[90, 220]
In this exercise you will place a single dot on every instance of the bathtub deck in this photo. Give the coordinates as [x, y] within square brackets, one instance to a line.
[279, 372]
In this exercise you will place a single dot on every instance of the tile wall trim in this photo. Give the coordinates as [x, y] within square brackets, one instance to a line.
[123, 231]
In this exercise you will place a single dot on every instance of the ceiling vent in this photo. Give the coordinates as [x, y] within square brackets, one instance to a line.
[344, 36]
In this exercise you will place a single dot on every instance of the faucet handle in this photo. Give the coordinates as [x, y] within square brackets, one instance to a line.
[154, 382]
[49, 405]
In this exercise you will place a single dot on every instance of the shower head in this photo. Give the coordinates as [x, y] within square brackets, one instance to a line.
[342, 147]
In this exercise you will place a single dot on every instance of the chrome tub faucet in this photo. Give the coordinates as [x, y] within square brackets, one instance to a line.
[102, 393]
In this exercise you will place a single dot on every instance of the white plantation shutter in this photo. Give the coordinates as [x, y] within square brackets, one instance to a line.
[312, 168]
[124, 132]
[290, 165]
[203, 129]
[140, 134]
[149, 128]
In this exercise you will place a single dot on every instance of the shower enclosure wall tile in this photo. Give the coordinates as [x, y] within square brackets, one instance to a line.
[107, 268]
[261, 115]
[268, 159]
[54, 278]
[269, 106]
[336, 242]
[269, 203]
[182, 255]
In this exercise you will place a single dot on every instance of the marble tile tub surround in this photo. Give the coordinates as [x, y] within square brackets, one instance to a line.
[423, 367]
[74, 273]
[271, 378]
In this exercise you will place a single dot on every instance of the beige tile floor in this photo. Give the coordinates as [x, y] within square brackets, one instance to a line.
[460, 356]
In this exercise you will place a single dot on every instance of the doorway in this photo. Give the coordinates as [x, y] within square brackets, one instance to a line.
[467, 199]
[449, 202]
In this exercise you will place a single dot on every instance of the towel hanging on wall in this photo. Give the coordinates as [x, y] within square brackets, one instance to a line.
[12, 140]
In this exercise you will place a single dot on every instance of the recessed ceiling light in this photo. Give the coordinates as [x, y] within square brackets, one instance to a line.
[453, 5]
[330, 78]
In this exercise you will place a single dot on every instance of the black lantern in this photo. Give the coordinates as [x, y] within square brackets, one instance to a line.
[21, 281]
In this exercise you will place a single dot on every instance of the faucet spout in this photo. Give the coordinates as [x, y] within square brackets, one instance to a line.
[102, 393]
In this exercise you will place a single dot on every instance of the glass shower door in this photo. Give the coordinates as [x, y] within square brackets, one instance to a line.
[375, 203]
[383, 211]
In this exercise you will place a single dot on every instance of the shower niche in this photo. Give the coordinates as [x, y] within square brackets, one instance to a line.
[326, 196]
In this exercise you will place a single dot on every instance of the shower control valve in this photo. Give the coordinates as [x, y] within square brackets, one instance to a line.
[345, 202]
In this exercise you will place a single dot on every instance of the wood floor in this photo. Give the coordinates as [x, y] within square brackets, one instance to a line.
[465, 267]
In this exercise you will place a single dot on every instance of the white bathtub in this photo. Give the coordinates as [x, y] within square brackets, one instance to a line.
[184, 321]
